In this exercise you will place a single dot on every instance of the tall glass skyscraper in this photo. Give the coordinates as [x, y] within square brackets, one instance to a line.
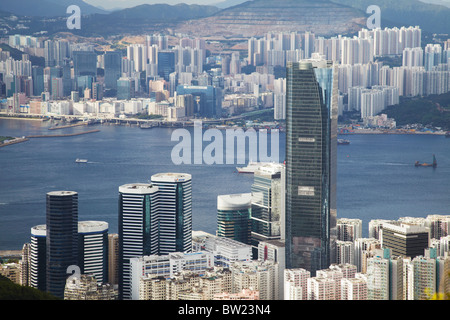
[311, 145]
[138, 228]
[113, 68]
[62, 238]
[174, 212]
[267, 204]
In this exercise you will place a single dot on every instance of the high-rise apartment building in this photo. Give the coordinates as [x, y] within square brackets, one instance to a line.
[113, 258]
[349, 229]
[311, 142]
[62, 238]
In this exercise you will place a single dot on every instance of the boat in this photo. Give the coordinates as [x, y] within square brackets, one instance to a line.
[81, 161]
[251, 167]
[447, 134]
[146, 126]
[434, 164]
[343, 142]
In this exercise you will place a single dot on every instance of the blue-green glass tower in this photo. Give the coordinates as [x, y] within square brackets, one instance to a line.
[311, 142]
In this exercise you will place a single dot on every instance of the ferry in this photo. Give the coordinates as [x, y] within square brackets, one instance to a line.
[81, 161]
[251, 167]
[343, 142]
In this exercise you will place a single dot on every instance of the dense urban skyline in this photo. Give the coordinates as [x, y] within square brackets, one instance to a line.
[283, 239]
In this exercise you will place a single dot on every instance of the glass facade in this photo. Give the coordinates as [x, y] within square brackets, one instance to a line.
[311, 142]
[62, 238]
[113, 68]
[234, 217]
[266, 205]
[85, 63]
[206, 100]
[138, 228]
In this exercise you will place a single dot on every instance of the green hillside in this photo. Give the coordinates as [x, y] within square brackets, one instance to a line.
[432, 110]
[12, 291]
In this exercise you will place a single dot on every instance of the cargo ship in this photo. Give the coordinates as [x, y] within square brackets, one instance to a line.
[434, 164]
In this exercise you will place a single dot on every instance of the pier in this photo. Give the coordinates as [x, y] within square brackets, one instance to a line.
[61, 135]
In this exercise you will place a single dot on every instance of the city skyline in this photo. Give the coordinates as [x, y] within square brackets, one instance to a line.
[276, 230]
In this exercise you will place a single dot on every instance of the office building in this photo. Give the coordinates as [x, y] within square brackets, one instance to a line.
[125, 88]
[225, 251]
[138, 228]
[62, 238]
[84, 64]
[405, 240]
[166, 63]
[207, 99]
[174, 212]
[38, 261]
[38, 80]
[113, 68]
[234, 217]
[311, 142]
[267, 213]
[93, 249]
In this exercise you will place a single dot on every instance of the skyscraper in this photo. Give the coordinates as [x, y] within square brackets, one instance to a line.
[113, 68]
[93, 249]
[174, 212]
[38, 265]
[62, 238]
[233, 216]
[85, 63]
[311, 142]
[138, 228]
[267, 203]
[166, 64]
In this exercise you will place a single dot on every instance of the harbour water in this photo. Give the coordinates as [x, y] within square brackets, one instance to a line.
[377, 178]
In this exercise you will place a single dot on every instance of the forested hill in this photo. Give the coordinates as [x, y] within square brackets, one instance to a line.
[433, 110]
